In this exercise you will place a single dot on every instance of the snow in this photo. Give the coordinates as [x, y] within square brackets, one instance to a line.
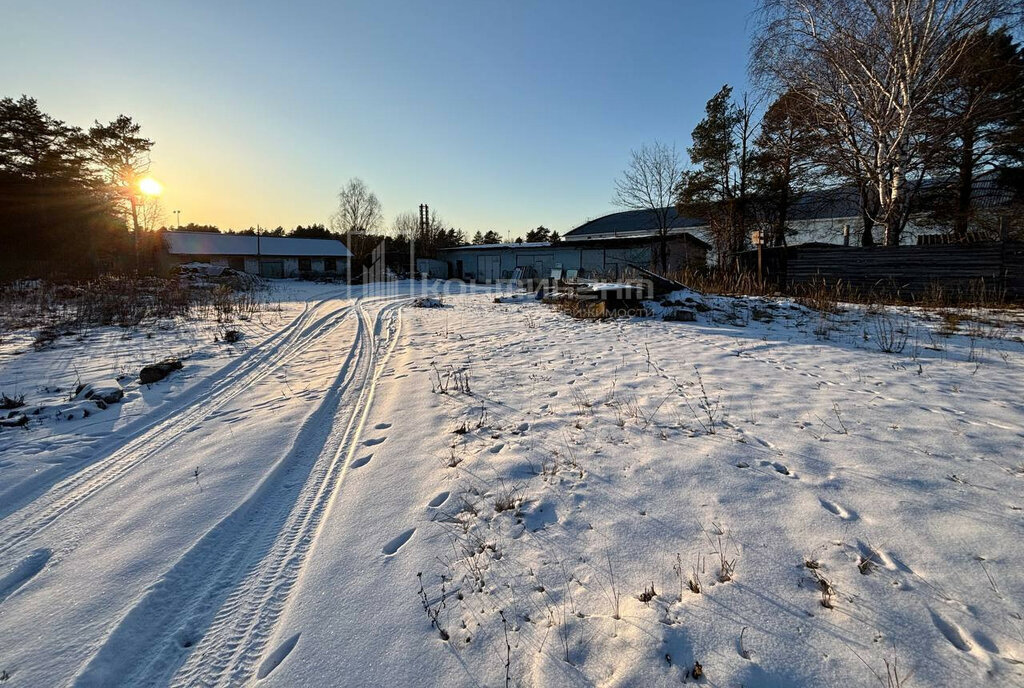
[610, 286]
[265, 513]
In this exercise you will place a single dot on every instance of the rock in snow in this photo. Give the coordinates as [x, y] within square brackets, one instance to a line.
[158, 371]
[13, 420]
[428, 302]
[109, 392]
[680, 315]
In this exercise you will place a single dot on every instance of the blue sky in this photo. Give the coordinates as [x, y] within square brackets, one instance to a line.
[500, 115]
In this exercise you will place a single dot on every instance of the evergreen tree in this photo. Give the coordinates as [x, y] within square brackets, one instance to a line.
[540, 234]
[122, 156]
[193, 227]
[313, 231]
[717, 186]
[978, 125]
[782, 163]
[55, 217]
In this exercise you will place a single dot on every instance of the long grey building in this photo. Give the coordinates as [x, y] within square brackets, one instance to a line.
[258, 255]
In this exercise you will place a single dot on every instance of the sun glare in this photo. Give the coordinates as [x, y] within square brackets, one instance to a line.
[150, 186]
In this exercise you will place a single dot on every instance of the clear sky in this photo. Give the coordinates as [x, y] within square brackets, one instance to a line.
[499, 115]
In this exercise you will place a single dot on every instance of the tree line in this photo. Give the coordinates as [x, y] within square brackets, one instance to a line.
[68, 194]
[311, 231]
[913, 110]
[539, 235]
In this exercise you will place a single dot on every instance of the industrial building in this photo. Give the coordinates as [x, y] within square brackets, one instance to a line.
[258, 255]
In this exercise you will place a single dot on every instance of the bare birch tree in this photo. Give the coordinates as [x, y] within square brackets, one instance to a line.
[358, 210]
[871, 69]
[358, 215]
[648, 184]
[406, 226]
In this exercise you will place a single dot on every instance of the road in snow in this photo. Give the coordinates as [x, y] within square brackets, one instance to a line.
[582, 465]
[133, 570]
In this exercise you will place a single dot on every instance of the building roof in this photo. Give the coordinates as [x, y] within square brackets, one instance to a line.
[513, 244]
[814, 205]
[632, 222]
[619, 241]
[210, 244]
[572, 241]
[827, 204]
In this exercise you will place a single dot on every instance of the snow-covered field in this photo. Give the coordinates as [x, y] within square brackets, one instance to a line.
[497, 494]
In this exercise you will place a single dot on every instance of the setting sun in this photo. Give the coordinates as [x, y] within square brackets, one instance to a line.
[150, 186]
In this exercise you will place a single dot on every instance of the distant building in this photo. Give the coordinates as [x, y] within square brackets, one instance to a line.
[820, 216]
[829, 217]
[604, 247]
[606, 258]
[258, 255]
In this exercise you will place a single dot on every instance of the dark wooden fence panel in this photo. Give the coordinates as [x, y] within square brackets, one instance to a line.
[1013, 260]
[913, 271]
[774, 261]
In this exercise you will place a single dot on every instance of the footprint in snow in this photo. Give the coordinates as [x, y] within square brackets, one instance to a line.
[989, 645]
[22, 572]
[362, 461]
[382, 426]
[397, 543]
[275, 658]
[439, 500]
[839, 511]
[779, 468]
[953, 633]
[374, 441]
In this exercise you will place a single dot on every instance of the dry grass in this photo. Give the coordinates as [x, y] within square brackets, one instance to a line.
[123, 301]
[824, 295]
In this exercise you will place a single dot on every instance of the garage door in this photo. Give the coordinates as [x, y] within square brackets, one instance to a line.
[488, 268]
[272, 269]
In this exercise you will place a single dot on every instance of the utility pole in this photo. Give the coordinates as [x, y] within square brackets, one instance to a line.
[424, 228]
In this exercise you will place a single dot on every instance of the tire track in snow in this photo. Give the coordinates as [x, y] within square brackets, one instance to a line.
[244, 634]
[210, 619]
[30, 521]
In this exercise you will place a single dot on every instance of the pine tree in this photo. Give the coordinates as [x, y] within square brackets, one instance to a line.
[978, 123]
[542, 233]
[782, 162]
[717, 187]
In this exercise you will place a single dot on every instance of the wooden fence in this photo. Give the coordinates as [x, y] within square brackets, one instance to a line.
[992, 269]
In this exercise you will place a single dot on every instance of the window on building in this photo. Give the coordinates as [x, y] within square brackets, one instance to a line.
[330, 264]
[305, 265]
